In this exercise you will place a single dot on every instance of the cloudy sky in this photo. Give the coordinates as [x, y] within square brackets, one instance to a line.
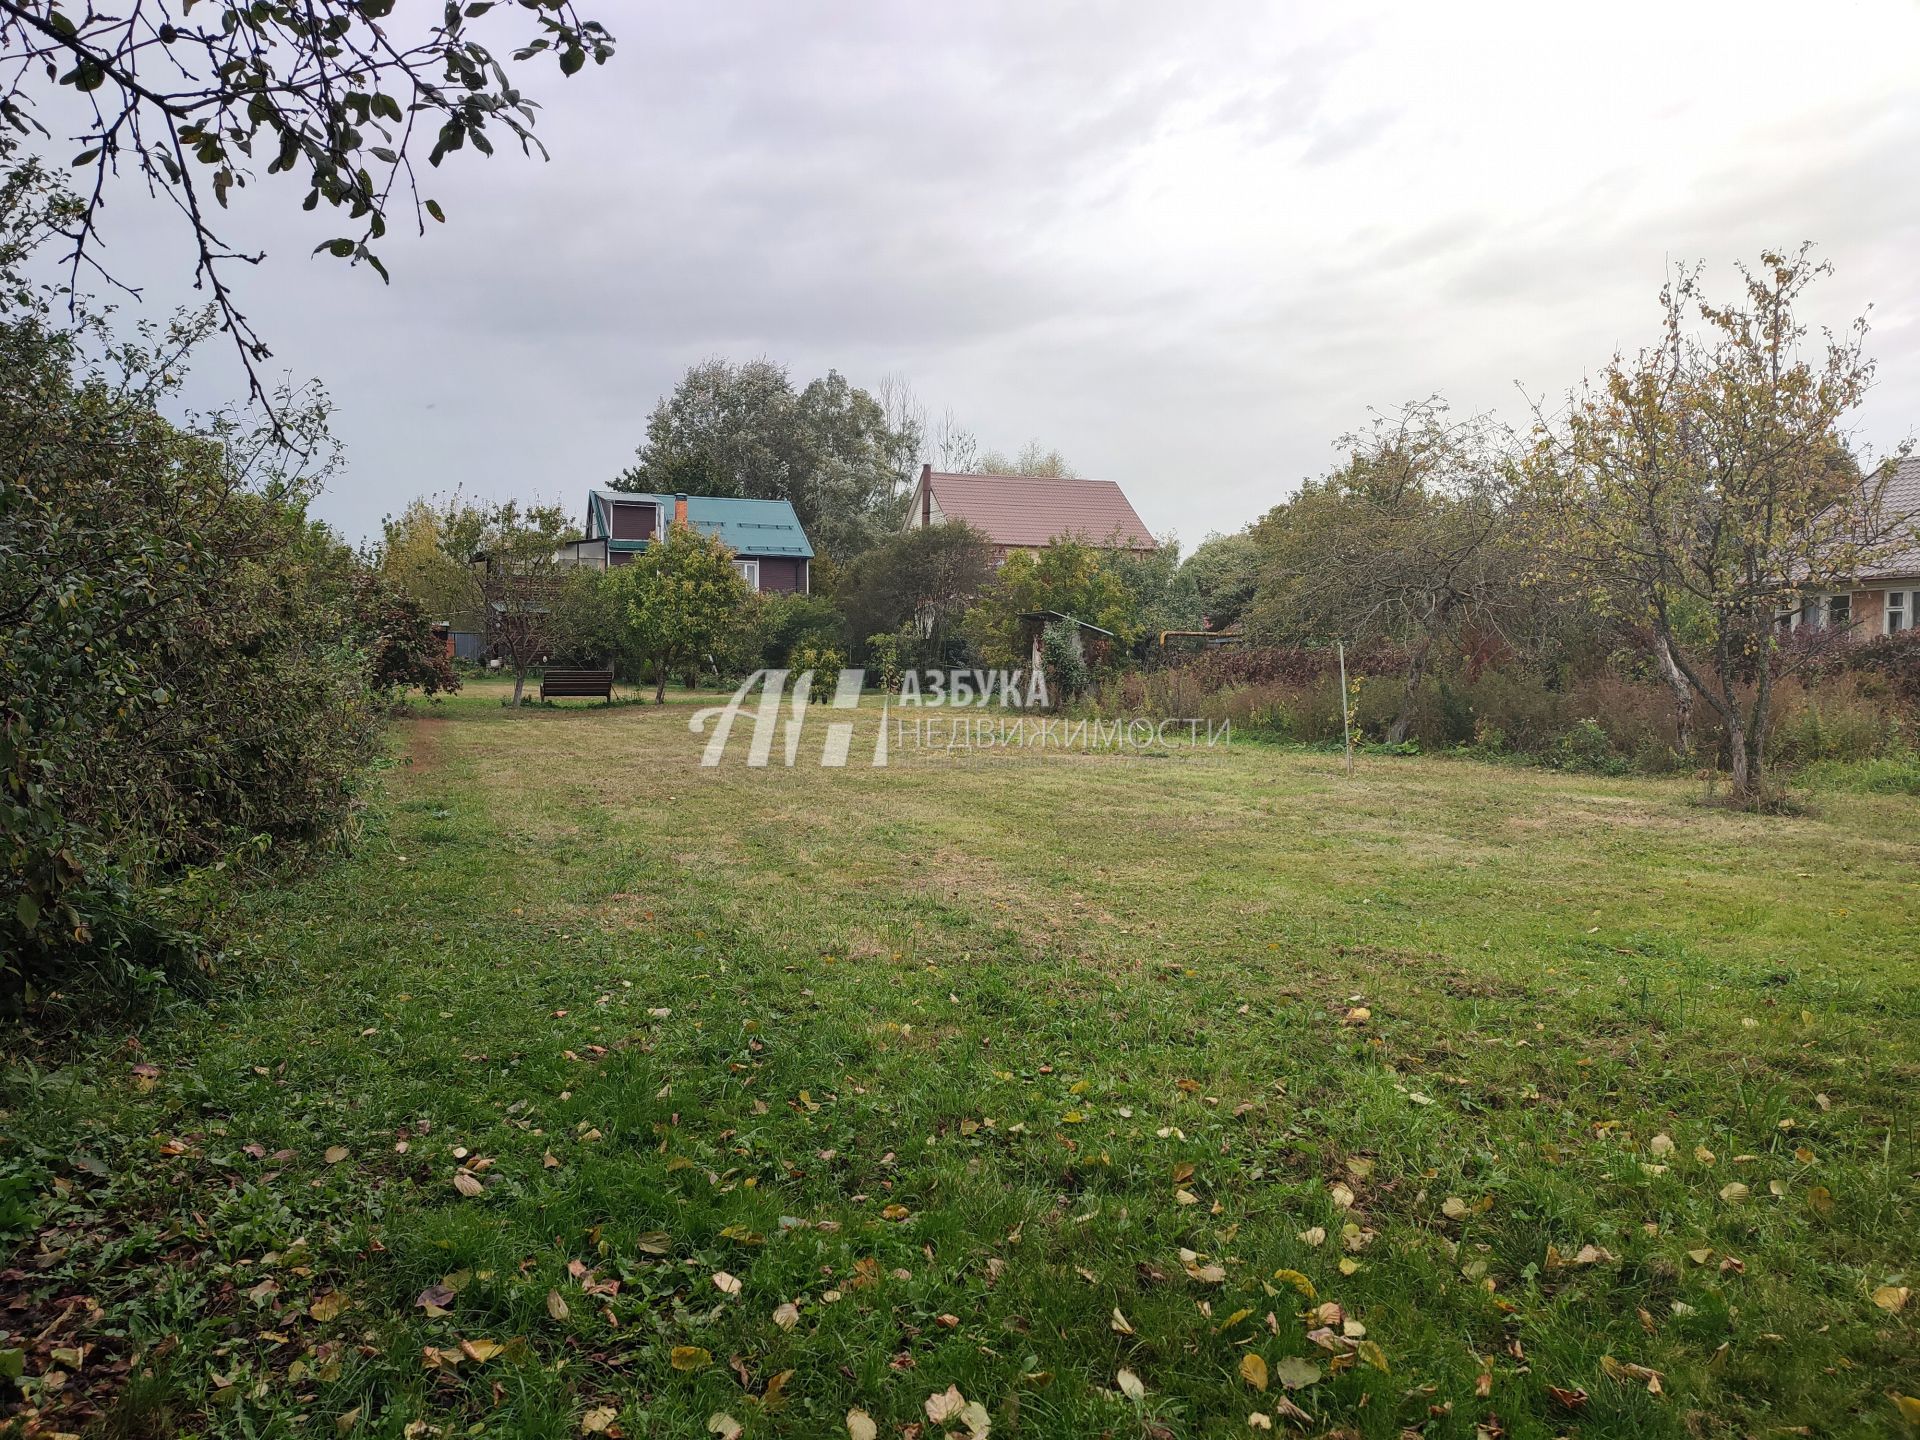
[1189, 244]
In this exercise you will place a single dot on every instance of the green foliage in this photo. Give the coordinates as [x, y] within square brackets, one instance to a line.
[192, 670]
[883, 658]
[830, 449]
[1223, 572]
[392, 629]
[197, 100]
[775, 626]
[427, 552]
[684, 601]
[590, 626]
[1703, 486]
[1161, 593]
[521, 583]
[1068, 576]
[917, 586]
[824, 661]
[1063, 661]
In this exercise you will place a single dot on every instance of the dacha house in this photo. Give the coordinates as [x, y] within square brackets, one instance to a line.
[1027, 512]
[770, 550]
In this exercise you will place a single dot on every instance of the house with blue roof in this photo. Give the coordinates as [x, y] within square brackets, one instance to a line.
[770, 550]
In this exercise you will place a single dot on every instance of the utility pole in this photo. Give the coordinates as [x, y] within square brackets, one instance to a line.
[1346, 710]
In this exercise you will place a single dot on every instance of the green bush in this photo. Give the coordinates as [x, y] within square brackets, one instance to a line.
[188, 681]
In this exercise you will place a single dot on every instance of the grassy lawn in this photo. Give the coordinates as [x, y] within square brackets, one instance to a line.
[598, 1090]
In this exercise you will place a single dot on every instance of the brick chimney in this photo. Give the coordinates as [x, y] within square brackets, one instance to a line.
[926, 494]
[680, 508]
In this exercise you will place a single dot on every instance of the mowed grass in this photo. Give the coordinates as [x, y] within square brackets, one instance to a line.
[1011, 1072]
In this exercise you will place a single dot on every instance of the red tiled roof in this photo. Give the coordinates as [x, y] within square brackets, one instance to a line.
[1033, 509]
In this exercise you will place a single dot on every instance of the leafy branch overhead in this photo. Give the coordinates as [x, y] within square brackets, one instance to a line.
[193, 97]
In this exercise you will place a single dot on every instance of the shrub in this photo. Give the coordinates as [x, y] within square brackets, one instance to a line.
[188, 679]
[1064, 662]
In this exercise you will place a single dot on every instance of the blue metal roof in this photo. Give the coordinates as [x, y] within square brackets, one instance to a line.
[748, 527]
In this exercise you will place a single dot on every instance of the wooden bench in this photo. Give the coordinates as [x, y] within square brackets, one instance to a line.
[576, 684]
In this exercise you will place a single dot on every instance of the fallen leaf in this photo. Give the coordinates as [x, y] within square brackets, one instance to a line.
[1296, 1373]
[556, 1305]
[1892, 1298]
[945, 1405]
[1253, 1369]
[722, 1424]
[860, 1425]
[686, 1358]
[336, 1153]
[1660, 1145]
[1120, 1323]
[598, 1420]
[1315, 1237]
[1130, 1385]
[786, 1316]
[328, 1306]
[1734, 1194]
[726, 1284]
[1567, 1399]
[1297, 1281]
[466, 1184]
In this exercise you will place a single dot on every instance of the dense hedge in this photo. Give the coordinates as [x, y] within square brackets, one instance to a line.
[193, 672]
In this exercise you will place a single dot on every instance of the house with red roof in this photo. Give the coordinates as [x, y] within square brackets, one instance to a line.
[1025, 512]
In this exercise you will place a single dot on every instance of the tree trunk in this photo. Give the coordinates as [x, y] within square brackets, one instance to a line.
[1758, 721]
[660, 685]
[1737, 760]
[1682, 697]
[1403, 722]
[519, 684]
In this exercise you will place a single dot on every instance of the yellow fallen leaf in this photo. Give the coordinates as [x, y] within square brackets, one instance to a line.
[1908, 1406]
[556, 1305]
[860, 1425]
[1892, 1298]
[1130, 1385]
[336, 1153]
[685, 1358]
[328, 1306]
[722, 1424]
[1297, 1281]
[1120, 1324]
[786, 1316]
[598, 1420]
[1315, 1237]
[1253, 1370]
[1734, 1194]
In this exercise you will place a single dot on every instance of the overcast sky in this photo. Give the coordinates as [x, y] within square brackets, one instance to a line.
[1188, 244]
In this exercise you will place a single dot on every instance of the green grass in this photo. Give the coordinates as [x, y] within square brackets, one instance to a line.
[1074, 1015]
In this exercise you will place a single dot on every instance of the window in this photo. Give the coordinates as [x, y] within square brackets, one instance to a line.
[1839, 611]
[749, 571]
[1900, 609]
